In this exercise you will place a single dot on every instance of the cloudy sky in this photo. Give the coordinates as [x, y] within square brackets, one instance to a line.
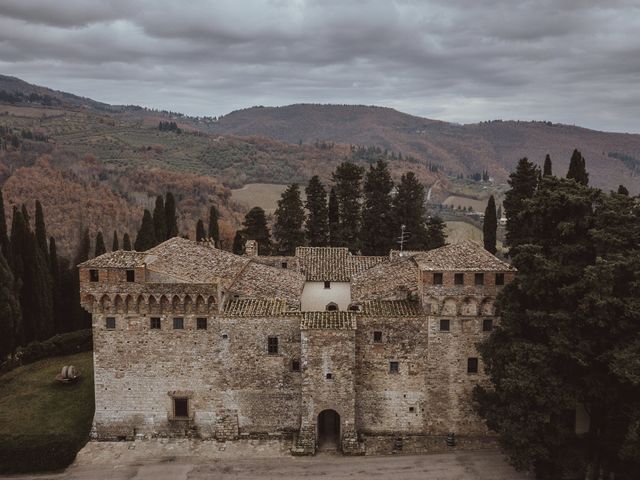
[570, 61]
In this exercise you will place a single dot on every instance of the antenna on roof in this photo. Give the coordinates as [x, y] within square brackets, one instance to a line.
[403, 237]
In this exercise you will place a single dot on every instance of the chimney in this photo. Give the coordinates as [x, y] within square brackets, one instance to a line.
[251, 248]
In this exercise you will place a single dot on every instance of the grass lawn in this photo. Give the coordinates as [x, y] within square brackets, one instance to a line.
[43, 423]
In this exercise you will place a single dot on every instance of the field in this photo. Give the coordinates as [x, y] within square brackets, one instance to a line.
[265, 195]
[43, 423]
[464, 202]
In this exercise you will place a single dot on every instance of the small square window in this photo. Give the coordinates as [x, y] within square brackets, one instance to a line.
[377, 337]
[181, 407]
[225, 336]
[487, 325]
[110, 323]
[472, 365]
[201, 323]
[479, 278]
[437, 278]
[327, 284]
[499, 278]
[329, 376]
[272, 345]
[412, 409]
[155, 323]
[295, 365]
[284, 265]
[394, 367]
[458, 279]
[94, 276]
[445, 325]
[131, 275]
[178, 323]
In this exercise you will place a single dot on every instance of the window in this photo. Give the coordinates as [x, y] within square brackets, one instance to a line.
[181, 407]
[329, 376]
[479, 279]
[93, 275]
[111, 323]
[327, 284]
[499, 278]
[272, 345]
[295, 365]
[472, 365]
[487, 325]
[131, 275]
[445, 325]
[377, 337]
[332, 307]
[225, 336]
[437, 278]
[354, 307]
[284, 265]
[458, 279]
[201, 323]
[178, 323]
[412, 409]
[155, 323]
[394, 367]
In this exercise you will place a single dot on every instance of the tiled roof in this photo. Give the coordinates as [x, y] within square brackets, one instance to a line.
[255, 308]
[386, 280]
[463, 256]
[257, 280]
[117, 259]
[333, 264]
[334, 320]
[276, 262]
[391, 308]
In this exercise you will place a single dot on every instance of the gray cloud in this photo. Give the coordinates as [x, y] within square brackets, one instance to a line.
[575, 61]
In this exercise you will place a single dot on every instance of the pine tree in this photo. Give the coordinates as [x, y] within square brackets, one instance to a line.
[255, 228]
[126, 242]
[238, 243]
[347, 179]
[56, 290]
[146, 237]
[333, 214]
[524, 182]
[408, 210]
[10, 312]
[41, 231]
[287, 229]
[622, 190]
[490, 226]
[115, 245]
[200, 233]
[100, 246]
[170, 217]
[377, 236]
[159, 221]
[5, 246]
[214, 231]
[436, 234]
[577, 168]
[546, 171]
[316, 226]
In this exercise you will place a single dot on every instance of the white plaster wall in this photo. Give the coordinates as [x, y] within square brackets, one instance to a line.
[315, 297]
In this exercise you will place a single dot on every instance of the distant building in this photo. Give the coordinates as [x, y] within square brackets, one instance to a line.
[321, 347]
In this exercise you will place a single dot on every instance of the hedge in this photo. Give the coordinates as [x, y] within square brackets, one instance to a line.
[36, 453]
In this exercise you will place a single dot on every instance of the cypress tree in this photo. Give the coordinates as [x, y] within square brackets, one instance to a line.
[84, 248]
[524, 182]
[18, 242]
[41, 231]
[333, 214]
[377, 236]
[238, 243]
[146, 237]
[100, 246]
[490, 226]
[5, 246]
[159, 220]
[287, 229]
[436, 234]
[316, 226]
[578, 169]
[115, 245]
[77, 317]
[214, 231]
[10, 312]
[622, 190]
[56, 291]
[200, 233]
[126, 242]
[255, 228]
[408, 210]
[170, 217]
[347, 179]
[546, 170]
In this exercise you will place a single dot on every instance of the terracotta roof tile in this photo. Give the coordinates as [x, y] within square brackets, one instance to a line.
[463, 256]
[391, 308]
[255, 308]
[335, 264]
[117, 259]
[334, 320]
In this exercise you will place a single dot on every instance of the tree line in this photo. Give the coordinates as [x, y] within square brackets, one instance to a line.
[363, 211]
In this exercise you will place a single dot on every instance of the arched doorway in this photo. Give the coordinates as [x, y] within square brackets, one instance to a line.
[328, 430]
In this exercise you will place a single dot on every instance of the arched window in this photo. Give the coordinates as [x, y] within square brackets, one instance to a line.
[332, 307]
[354, 307]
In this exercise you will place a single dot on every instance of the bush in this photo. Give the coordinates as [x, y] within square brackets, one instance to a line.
[35, 453]
[61, 344]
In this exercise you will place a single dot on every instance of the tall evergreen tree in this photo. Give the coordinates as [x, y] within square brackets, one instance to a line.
[436, 234]
[377, 235]
[170, 217]
[5, 246]
[287, 229]
[546, 170]
[255, 228]
[41, 230]
[18, 243]
[126, 242]
[56, 291]
[408, 210]
[347, 179]
[578, 169]
[115, 245]
[100, 246]
[490, 226]
[77, 317]
[214, 232]
[622, 190]
[10, 312]
[146, 237]
[333, 214]
[238, 243]
[316, 226]
[524, 182]
[200, 233]
[160, 220]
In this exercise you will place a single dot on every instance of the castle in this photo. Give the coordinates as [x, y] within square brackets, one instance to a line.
[322, 348]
